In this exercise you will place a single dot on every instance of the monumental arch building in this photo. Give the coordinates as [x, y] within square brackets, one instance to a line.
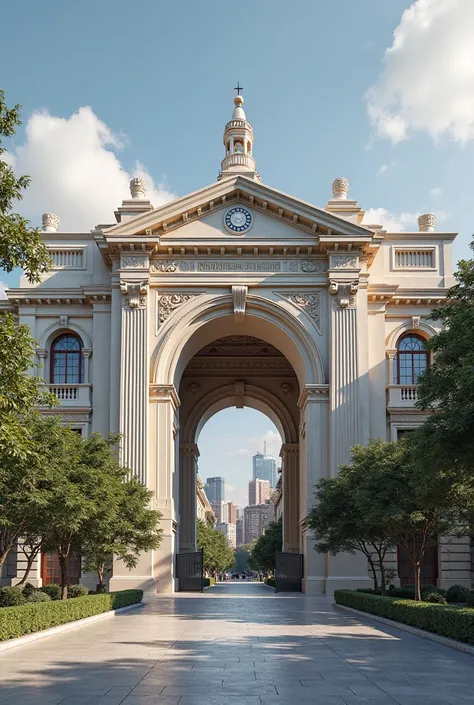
[240, 295]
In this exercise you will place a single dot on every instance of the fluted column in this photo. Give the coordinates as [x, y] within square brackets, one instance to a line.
[290, 455]
[115, 348]
[134, 376]
[188, 456]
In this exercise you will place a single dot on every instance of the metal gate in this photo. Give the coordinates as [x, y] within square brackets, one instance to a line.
[189, 571]
[288, 572]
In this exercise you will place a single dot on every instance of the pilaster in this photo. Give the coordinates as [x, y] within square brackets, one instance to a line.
[290, 455]
[188, 457]
[101, 380]
[115, 357]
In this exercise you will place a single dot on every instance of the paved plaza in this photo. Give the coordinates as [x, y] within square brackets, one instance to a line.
[238, 644]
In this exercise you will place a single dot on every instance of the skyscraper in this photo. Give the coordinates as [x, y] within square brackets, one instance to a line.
[259, 491]
[221, 510]
[256, 518]
[232, 512]
[229, 531]
[264, 467]
[215, 489]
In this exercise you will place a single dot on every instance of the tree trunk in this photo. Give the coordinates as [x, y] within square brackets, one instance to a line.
[63, 567]
[417, 570]
[374, 572]
[29, 564]
[100, 573]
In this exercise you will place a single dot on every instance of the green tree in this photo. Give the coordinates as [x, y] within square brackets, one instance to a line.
[263, 553]
[126, 526]
[447, 387]
[20, 245]
[242, 554]
[338, 521]
[218, 554]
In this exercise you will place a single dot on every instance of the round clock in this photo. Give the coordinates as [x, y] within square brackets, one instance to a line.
[238, 219]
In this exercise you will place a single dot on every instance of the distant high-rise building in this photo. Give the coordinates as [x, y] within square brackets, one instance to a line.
[239, 532]
[215, 489]
[232, 512]
[259, 491]
[221, 510]
[264, 467]
[256, 519]
[229, 530]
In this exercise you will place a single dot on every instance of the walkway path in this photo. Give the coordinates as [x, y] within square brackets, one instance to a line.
[238, 644]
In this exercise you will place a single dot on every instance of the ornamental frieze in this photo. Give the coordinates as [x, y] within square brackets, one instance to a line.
[344, 262]
[134, 261]
[167, 303]
[265, 266]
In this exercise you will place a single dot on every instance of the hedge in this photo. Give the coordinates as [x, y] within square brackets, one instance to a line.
[270, 581]
[34, 617]
[445, 620]
[208, 582]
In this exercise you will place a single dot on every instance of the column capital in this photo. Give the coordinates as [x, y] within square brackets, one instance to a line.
[313, 393]
[391, 354]
[164, 392]
[189, 449]
[345, 290]
[287, 448]
[134, 293]
[87, 352]
[42, 353]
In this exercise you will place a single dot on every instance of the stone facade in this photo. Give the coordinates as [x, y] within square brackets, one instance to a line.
[240, 295]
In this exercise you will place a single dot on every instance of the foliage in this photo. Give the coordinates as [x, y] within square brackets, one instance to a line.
[28, 589]
[242, 554]
[338, 519]
[125, 526]
[263, 553]
[38, 596]
[270, 581]
[208, 582]
[52, 590]
[11, 596]
[448, 385]
[218, 554]
[29, 618]
[470, 599]
[457, 593]
[452, 622]
[434, 597]
[20, 245]
[76, 591]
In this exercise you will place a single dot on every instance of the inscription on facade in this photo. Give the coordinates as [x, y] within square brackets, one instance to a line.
[240, 266]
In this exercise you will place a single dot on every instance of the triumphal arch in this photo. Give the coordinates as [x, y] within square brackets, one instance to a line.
[239, 295]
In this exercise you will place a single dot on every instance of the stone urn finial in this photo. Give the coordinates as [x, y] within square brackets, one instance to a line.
[340, 188]
[426, 222]
[50, 222]
[138, 187]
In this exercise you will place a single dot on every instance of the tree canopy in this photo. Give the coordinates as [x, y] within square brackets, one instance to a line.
[263, 553]
[20, 245]
[218, 553]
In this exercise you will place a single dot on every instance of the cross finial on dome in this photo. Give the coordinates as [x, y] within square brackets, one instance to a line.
[238, 88]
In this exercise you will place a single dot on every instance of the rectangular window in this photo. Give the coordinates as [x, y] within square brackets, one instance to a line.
[414, 259]
[68, 258]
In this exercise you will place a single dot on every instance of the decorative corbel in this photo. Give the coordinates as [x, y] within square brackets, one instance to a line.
[345, 291]
[239, 394]
[135, 293]
[239, 297]
[64, 321]
[415, 321]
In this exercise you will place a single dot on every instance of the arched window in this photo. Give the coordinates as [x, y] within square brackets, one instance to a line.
[412, 359]
[66, 360]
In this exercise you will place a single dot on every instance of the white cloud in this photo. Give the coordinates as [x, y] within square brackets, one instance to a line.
[3, 287]
[392, 222]
[382, 169]
[427, 82]
[75, 171]
[436, 192]
[240, 452]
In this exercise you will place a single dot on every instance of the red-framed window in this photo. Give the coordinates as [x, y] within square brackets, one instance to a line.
[412, 359]
[66, 360]
[51, 572]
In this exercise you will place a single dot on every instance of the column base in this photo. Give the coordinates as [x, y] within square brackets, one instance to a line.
[313, 586]
[133, 582]
[350, 582]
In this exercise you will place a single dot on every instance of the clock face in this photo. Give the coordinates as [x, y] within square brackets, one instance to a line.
[238, 219]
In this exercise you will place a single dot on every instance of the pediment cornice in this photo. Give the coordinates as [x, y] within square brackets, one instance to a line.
[310, 226]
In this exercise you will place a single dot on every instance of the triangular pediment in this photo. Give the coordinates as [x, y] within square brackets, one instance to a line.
[277, 215]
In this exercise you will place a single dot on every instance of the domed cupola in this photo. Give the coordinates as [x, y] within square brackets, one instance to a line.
[238, 143]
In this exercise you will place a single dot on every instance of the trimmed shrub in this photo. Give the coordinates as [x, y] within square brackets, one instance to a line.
[208, 582]
[38, 596]
[470, 599]
[53, 590]
[100, 588]
[76, 591]
[434, 597]
[11, 597]
[270, 581]
[457, 593]
[28, 589]
[453, 622]
[29, 618]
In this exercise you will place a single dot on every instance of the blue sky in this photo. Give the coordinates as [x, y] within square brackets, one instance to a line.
[379, 91]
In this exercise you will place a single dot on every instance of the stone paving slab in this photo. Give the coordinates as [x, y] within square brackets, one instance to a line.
[237, 644]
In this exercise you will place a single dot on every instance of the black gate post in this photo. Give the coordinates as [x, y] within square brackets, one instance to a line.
[190, 571]
[288, 572]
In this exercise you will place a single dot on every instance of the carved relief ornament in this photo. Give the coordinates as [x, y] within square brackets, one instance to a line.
[134, 262]
[164, 265]
[312, 265]
[167, 303]
[343, 262]
[345, 292]
[135, 293]
[239, 299]
[309, 303]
